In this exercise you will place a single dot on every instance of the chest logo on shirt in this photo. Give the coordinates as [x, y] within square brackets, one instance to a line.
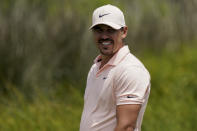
[104, 78]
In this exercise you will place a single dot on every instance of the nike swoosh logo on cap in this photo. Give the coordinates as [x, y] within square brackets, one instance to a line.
[103, 15]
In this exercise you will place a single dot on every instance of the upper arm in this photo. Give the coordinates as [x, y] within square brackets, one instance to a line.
[127, 116]
[131, 87]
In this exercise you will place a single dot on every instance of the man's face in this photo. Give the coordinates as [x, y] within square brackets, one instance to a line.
[109, 40]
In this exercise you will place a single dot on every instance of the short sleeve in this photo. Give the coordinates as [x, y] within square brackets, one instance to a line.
[131, 85]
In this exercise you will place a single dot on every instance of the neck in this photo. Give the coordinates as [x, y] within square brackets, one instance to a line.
[105, 59]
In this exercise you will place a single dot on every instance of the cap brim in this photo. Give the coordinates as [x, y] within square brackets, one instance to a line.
[114, 26]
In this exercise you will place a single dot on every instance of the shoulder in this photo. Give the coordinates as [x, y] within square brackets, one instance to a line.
[93, 67]
[91, 71]
[131, 68]
[131, 73]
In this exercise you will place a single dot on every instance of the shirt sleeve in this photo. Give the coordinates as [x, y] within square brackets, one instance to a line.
[131, 86]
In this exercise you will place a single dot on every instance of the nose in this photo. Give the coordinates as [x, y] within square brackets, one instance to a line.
[104, 35]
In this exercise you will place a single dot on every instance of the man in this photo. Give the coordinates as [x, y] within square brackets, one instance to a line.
[118, 85]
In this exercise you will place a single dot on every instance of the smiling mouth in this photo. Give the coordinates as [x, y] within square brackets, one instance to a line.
[106, 43]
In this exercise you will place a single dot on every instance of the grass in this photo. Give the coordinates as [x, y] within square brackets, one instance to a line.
[172, 104]
[43, 113]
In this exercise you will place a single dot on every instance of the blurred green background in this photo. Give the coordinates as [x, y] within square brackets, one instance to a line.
[46, 51]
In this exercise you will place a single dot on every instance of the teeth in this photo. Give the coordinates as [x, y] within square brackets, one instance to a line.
[106, 43]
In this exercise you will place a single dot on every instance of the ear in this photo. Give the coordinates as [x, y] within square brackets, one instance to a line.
[124, 32]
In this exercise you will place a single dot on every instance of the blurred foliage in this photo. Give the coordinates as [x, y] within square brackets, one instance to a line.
[44, 41]
[45, 47]
[172, 104]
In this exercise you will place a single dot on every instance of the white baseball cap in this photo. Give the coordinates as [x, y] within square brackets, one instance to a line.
[108, 15]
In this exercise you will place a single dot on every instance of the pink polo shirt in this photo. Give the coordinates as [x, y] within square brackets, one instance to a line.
[123, 80]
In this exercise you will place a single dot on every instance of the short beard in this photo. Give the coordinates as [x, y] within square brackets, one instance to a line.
[107, 54]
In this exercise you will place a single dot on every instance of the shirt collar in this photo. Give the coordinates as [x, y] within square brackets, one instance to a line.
[117, 58]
